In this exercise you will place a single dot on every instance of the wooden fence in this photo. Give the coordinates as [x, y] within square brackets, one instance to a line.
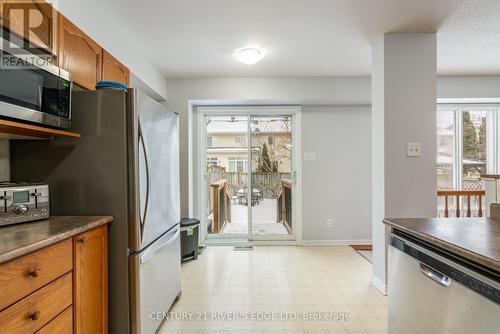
[267, 183]
[284, 207]
[221, 205]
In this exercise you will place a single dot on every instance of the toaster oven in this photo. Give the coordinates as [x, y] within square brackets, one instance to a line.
[23, 202]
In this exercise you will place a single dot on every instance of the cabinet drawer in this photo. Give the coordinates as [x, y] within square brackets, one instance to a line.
[28, 273]
[62, 324]
[33, 312]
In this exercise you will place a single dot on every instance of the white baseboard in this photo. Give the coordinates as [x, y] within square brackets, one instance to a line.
[379, 284]
[336, 242]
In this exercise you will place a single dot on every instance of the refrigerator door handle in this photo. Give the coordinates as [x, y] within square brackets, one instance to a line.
[144, 145]
[149, 253]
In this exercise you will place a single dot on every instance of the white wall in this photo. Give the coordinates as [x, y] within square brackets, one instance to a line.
[318, 95]
[338, 183]
[404, 110]
[465, 87]
[96, 20]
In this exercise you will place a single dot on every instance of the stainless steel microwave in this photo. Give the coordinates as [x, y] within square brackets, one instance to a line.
[32, 89]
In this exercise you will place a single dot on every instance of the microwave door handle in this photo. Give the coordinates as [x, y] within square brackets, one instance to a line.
[39, 92]
[142, 142]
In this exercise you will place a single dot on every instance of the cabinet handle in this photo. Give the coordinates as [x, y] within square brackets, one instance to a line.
[34, 273]
[35, 315]
[82, 239]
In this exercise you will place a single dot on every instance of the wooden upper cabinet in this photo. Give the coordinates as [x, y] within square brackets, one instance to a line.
[113, 70]
[91, 281]
[79, 54]
[33, 20]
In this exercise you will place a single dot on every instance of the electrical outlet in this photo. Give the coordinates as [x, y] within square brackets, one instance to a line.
[413, 149]
[329, 223]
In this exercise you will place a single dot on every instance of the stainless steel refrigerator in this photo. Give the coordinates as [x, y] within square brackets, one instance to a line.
[126, 164]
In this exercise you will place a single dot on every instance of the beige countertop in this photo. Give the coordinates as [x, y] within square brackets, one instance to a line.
[20, 239]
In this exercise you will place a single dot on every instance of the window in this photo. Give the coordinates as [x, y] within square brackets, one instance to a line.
[270, 140]
[211, 141]
[473, 148]
[212, 161]
[240, 140]
[238, 164]
[446, 149]
[467, 146]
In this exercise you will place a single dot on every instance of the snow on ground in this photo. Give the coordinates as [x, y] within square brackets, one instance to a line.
[263, 217]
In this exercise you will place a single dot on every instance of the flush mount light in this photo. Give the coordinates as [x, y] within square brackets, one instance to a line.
[249, 56]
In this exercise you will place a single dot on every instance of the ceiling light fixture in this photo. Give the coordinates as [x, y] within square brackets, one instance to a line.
[250, 56]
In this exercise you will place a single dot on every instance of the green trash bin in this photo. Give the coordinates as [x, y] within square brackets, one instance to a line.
[189, 238]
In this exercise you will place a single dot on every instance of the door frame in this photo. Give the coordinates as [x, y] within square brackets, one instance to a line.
[200, 199]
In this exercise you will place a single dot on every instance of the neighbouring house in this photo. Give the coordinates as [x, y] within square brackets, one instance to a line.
[227, 144]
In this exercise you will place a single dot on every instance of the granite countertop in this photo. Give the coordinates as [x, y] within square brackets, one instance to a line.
[20, 239]
[476, 239]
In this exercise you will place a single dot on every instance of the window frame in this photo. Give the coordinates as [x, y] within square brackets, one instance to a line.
[212, 161]
[492, 137]
[235, 160]
[213, 141]
[239, 142]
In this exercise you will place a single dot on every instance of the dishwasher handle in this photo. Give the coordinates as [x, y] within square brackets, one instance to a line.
[435, 275]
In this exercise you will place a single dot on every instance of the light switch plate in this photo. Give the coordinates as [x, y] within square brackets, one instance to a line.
[309, 156]
[413, 149]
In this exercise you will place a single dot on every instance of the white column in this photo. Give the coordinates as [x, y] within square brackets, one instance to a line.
[403, 111]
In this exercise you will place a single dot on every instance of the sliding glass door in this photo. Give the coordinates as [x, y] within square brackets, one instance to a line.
[272, 178]
[227, 167]
[249, 173]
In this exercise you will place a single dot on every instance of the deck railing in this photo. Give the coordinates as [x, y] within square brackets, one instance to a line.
[284, 207]
[221, 205]
[465, 202]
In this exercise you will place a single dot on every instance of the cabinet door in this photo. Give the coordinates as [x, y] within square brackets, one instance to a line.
[91, 281]
[79, 54]
[40, 29]
[113, 70]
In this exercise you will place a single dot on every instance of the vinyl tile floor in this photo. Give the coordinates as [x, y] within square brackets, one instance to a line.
[278, 289]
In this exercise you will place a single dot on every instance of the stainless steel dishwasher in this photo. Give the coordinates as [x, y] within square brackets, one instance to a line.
[434, 292]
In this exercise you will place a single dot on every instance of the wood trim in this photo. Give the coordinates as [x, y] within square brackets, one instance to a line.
[460, 192]
[362, 247]
[29, 131]
[490, 176]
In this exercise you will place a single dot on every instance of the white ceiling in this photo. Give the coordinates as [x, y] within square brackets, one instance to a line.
[194, 38]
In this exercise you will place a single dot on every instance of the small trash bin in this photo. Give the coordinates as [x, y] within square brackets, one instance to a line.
[189, 238]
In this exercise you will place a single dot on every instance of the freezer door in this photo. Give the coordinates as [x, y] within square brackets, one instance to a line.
[154, 157]
[155, 282]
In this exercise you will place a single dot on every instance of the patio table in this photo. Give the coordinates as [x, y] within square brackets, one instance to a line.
[242, 195]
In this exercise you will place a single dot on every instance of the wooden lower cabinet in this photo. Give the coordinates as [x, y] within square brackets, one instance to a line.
[59, 289]
[31, 313]
[62, 324]
[91, 281]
